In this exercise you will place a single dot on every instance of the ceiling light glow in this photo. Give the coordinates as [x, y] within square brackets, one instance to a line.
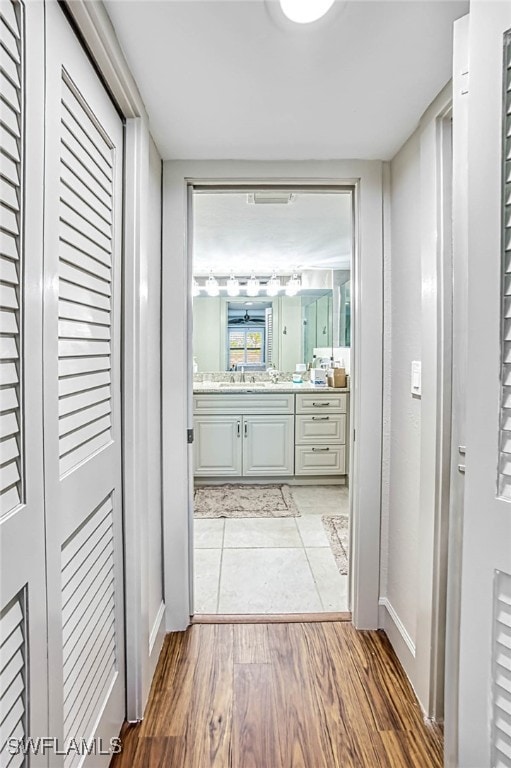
[273, 285]
[253, 286]
[293, 285]
[305, 11]
[233, 286]
[212, 287]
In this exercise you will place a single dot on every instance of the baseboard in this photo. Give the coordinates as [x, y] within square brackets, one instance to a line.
[158, 630]
[396, 632]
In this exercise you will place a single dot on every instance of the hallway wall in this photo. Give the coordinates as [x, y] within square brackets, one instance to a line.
[412, 331]
[403, 330]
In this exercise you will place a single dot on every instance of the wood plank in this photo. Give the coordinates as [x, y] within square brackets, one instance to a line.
[255, 738]
[296, 695]
[251, 644]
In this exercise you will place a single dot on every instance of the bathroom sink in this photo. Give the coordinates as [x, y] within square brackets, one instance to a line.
[243, 385]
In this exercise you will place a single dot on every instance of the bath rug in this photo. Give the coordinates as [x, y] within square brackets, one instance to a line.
[238, 500]
[337, 531]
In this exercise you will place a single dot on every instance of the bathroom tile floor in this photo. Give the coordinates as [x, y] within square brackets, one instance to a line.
[271, 565]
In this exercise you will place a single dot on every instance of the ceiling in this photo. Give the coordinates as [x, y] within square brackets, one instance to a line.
[227, 79]
[314, 231]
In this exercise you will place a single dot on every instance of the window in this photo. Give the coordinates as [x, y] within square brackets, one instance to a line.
[246, 346]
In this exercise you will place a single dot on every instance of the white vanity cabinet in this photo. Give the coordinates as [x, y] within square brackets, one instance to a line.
[217, 445]
[320, 433]
[255, 434]
[243, 435]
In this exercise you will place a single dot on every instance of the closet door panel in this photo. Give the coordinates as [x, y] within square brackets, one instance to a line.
[82, 406]
[23, 671]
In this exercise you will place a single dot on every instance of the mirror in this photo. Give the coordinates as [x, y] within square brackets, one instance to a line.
[247, 237]
[283, 330]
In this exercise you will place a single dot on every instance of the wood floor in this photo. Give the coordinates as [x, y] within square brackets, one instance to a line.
[280, 696]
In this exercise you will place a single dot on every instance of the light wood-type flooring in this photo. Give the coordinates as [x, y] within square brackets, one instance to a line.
[297, 695]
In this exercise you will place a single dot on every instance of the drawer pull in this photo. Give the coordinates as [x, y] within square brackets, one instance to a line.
[320, 418]
[239, 428]
[319, 450]
[321, 405]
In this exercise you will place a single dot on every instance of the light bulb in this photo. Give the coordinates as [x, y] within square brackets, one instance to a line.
[253, 286]
[212, 287]
[195, 288]
[233, 286]
[305, 11]
[293, 285]
[273, 285]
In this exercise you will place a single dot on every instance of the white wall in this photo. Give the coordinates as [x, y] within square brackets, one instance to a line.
[153, 513]
[411, 451]
[207, 332]
[402, 483]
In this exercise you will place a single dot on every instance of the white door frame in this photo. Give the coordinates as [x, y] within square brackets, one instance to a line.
[366, 177]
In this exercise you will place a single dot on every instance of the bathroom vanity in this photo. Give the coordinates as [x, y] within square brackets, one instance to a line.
[270, 430]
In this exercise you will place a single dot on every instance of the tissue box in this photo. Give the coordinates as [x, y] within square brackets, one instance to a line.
[337, 377]
[318, 377]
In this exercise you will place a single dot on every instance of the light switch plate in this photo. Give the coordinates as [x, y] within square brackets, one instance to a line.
[416, 378]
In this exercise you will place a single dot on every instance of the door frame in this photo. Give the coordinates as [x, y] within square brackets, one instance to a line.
[366, 178]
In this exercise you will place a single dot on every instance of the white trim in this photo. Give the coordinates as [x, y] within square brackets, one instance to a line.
[366, 176]
[99, 36]
[398, 635]
[157, 627]
[436, 342]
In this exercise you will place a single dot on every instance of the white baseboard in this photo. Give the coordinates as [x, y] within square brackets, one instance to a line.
[158, 630]
[398, 636]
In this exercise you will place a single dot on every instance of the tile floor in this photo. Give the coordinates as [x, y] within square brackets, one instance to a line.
[271, 565]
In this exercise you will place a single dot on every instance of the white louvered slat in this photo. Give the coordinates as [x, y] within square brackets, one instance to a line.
[504, 471]
[85, 284]
[501, 676]
[11, 420]
[13, 672]
[88, 613]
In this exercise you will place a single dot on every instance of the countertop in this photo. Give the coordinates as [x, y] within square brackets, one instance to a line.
[266, 387]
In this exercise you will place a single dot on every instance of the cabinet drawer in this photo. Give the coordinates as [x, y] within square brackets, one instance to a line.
[320, 460]
[241, 403]
[322, 401]
[321, 428]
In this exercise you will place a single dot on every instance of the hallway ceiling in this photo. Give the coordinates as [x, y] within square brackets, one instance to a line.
[224, 79]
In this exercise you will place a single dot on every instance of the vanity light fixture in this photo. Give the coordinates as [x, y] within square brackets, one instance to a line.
[273, 285]
[233, 286]
[212, 287]
[305, 11]
[253, 286]
[293, 285]
[195, 288]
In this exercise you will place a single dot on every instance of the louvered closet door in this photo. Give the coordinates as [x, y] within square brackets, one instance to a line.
[82, 405]
[485, 650]
[23, 678]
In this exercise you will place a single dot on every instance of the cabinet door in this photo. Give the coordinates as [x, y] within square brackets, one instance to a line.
[217, 445]
[268, 445]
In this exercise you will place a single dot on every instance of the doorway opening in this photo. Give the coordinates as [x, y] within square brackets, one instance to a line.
[272, 383]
